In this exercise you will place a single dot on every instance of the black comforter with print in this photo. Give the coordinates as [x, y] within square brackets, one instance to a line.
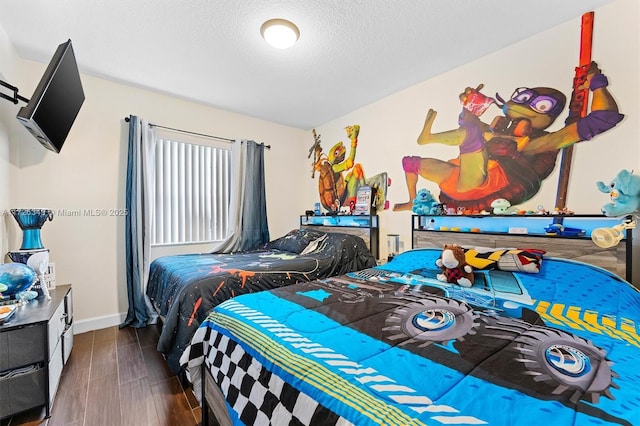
[185, 288]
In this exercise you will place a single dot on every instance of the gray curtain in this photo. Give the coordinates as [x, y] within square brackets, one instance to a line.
[248, 210]
[139, 199]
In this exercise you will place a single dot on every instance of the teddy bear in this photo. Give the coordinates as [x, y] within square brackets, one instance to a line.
[624, 191]
[424, 204]
[455, 268]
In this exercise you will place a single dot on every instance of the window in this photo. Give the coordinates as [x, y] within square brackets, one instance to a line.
[505, 282]
[192, 192]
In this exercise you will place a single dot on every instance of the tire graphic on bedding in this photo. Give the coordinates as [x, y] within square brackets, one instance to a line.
[426, 320]
[567, 362]
[557, 362]
[492, 335]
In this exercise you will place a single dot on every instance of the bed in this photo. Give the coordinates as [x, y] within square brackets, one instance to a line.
[393, 345]
[184, 288]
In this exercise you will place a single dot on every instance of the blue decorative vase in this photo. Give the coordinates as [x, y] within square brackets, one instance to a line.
[30, 221]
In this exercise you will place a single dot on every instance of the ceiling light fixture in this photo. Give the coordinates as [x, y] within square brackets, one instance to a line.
[280, 33]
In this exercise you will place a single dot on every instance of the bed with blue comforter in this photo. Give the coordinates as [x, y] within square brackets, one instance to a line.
[393, 345]
[184, 288]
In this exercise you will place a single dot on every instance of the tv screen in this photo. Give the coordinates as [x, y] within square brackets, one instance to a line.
[53, 108]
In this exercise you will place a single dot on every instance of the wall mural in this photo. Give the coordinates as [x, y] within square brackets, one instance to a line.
[340, 177]
[509, 158]
[504, 163]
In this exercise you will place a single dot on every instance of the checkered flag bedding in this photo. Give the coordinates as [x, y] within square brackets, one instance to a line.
[351, 346]
[258, 396]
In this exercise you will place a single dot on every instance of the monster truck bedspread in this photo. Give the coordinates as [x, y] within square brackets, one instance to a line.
[184, 288]
[391, 345]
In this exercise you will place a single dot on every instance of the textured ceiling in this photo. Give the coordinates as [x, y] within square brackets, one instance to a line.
[350, 53]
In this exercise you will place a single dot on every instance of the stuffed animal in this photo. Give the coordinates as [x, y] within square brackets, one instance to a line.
[454, 266]
[624, 191]
[424, 204]
[501, 206]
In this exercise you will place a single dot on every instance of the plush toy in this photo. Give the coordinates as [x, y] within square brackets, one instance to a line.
[624, 191]
[454, 266]
[501, 206]
[424, 203]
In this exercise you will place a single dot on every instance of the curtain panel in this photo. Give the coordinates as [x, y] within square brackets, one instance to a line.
[248, 213]
[247, 222]
[139, 202]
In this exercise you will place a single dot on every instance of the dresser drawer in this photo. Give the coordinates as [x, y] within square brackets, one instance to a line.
[68, 307]
[67, 343]
[57, 325]
[22, 346]
[22, 391]
[55, 371]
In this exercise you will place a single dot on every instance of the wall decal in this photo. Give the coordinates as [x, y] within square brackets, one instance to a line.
[510, 157]
[338, 190]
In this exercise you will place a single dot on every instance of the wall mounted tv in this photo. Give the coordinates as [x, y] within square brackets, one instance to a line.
[55, 104]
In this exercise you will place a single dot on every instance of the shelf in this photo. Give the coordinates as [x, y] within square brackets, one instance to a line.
[341, 221]
[494, 233]
[531, 225]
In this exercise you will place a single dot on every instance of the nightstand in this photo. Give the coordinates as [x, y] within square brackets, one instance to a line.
[34, 346]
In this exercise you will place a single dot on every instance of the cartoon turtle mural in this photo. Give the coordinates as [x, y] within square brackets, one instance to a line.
[334, 187]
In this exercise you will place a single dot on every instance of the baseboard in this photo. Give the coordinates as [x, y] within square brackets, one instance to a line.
[97, 323]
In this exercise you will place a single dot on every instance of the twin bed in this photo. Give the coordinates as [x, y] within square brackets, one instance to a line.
[185, 288]
[393, 345]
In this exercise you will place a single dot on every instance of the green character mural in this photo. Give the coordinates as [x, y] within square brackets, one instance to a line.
[509, 158]
[336, 189]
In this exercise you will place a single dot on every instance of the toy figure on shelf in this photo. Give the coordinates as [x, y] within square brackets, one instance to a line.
[624, 192]
[501, 206]
[510, 157]
[424, 204]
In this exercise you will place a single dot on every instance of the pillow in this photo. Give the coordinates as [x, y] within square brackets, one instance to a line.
[505, 259]
[295, 241]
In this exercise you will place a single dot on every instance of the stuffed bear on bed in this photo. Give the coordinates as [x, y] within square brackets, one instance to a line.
[455, 268]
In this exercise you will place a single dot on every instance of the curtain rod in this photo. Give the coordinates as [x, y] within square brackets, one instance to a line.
[194, 133]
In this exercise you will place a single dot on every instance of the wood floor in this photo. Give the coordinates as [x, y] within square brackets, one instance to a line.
[117, 377]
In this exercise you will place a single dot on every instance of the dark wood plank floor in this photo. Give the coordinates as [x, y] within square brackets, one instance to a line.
[117, 377]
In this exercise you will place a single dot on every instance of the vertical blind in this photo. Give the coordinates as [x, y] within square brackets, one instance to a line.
[191, 193]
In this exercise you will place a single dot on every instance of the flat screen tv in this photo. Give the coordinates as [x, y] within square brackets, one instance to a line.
[55, 104]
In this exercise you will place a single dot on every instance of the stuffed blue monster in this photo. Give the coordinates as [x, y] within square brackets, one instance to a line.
[624, 191]
[424, 203]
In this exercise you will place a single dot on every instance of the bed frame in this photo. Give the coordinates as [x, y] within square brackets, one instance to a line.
[214, 407]
[365, 227]
[617, 259]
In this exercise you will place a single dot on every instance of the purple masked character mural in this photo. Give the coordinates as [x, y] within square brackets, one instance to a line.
[509, 158]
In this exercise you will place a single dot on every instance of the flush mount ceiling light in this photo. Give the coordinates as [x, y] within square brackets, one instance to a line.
[280, 33]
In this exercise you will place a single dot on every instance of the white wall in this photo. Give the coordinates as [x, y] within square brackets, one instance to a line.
[390, 127]
[6, 108]
[90, 171]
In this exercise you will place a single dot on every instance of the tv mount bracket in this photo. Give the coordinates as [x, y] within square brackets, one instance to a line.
[15, 97]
